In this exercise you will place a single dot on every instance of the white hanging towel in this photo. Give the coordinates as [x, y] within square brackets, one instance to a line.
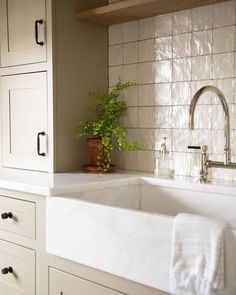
[197, 263]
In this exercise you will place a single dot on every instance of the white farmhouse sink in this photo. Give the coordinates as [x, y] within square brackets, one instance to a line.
[127, 230]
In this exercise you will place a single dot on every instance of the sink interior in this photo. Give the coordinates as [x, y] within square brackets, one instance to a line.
[163, 200]
[128, 196]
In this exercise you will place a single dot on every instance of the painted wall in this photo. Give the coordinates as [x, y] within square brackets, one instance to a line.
[171, 57]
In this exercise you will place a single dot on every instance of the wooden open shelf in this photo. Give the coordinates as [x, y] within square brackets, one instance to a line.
[128, 10]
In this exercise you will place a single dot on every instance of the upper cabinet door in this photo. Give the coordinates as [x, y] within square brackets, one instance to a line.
[25, 121]
[23, 32]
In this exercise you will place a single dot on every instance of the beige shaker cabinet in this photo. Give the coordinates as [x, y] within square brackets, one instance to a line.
[25, 121]
[22, 269]
[61, 283]
[47, 70]
[23, 31]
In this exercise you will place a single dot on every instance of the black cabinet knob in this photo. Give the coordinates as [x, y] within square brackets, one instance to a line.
[6, 215]
[7, 270]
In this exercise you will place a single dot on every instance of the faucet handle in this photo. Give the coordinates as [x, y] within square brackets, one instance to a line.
[194, 147]
[204, 148]
[203, 162]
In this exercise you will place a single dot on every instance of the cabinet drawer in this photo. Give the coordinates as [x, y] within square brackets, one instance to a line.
[61, 283]
[22, 221]
[22, 261]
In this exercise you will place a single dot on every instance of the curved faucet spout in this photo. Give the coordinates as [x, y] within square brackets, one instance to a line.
[224, 104]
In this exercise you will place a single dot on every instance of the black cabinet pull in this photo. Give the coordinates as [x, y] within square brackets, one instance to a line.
[6, 215]
[37, 22]
[38, 143]
[7, 270]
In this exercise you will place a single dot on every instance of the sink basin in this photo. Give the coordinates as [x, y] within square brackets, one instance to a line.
[127, 230]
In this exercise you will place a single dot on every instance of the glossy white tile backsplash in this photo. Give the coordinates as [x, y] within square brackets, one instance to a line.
[170, 57]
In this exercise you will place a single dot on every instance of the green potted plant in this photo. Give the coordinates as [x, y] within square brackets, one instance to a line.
[109, 109]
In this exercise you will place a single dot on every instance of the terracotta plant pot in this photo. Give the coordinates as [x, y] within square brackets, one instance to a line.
[93, 151]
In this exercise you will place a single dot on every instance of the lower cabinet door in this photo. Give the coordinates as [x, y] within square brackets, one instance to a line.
[17, 270]
[61, 283]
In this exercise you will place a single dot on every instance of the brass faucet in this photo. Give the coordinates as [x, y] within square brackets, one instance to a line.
[205, 162]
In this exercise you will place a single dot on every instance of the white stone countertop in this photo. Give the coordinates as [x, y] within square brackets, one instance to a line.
[49, 184]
